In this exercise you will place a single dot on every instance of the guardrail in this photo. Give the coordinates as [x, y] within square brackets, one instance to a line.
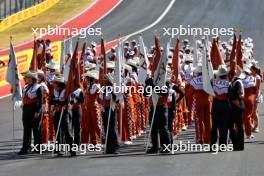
[26, 13]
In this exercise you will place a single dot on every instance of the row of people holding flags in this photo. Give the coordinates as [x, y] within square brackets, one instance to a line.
[214, 85]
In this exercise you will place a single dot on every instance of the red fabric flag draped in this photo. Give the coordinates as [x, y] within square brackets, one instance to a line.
[232, 59]
[157, 55]
[216, 57]
[77, 74]
[102, 70]
[239, 54]
[71, 84]
[82, 59]
[103, 54]
[43, 59]
[175, 62]
[34, 61]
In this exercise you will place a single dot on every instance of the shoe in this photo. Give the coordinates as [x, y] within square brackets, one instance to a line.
[152, 150]
[133, 137]
[22, 152]
[256, 130]
[184, 128]
[112, 152]
[164, 151]
[250, 137]
[73, 153]
[59, 153]
[247, 137]
[128, 142]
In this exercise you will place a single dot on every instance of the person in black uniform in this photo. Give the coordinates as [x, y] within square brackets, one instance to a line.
[220, 106]
[76, 99]
[31, 115]
[235, 96]
[60, 104]
[112, 142]
[160, 120]
[172, 104]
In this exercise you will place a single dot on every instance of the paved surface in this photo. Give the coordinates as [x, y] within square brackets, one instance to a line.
[129, 17]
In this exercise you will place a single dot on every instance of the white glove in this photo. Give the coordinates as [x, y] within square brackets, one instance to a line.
[18, 104]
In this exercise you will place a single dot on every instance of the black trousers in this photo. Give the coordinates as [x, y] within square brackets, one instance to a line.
[160, 127]
[220, 114]
[235, 126]
[76, 122]
[65, 127]
[171, 118]
[30, 124]
[112, 143]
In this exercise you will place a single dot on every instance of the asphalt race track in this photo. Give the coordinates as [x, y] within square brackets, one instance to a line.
[129, 17]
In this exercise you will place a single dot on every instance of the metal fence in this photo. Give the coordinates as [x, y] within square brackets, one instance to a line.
[9, 7]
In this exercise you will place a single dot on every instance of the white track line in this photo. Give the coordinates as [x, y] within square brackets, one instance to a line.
[165, 12]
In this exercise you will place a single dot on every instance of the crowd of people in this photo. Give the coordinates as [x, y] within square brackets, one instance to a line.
[86, 115]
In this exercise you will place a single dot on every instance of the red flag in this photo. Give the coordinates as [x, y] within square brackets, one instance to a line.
[77, 74]
[157, 56]
[239, 54]
[82, 59]
[103, 54]
[43, 59]
[175, 62]
[232, 59]
[71, 83]
[102, 70]
[216, 57]
[34, 61]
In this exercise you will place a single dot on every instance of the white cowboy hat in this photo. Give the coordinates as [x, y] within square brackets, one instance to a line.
[186, 40]
[31, 74]
[188, 58]
[150, 55]
[222, 70]
[40, 72]
[59, 79]
[132, 62]
[89, 65]
[92, 74]
[134, 41]
[53, 65]
[110, 64]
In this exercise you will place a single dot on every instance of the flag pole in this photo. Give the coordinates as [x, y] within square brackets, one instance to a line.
[108, 122]
[58, 128]
[151, 125]
[13, 123]
[13, 115]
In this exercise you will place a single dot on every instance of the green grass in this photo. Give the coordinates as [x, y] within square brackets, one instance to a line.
[56, 15]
